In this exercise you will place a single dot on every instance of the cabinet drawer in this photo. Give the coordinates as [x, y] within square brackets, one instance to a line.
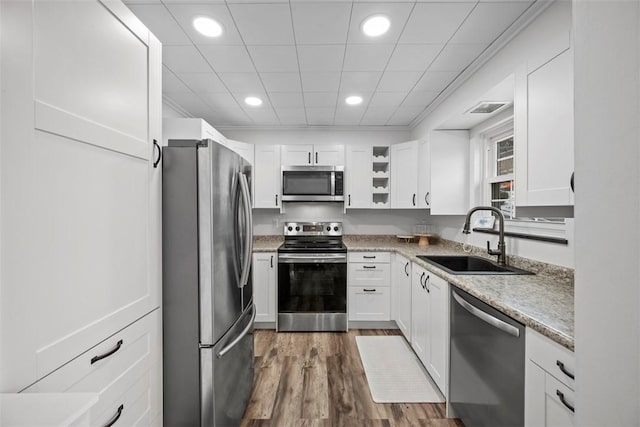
[129, 376]
[551, 356]
[369, 274]
[369, 303]
[558, 399]
[384, 257]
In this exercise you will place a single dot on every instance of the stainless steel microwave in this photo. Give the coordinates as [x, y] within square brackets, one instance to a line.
[312, 183]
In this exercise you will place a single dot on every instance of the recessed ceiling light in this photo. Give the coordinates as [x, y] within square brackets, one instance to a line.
[375, 25]
[254, 101]
[207, 26]
[353, 100]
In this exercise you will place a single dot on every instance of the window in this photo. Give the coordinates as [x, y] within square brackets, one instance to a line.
[501, 180]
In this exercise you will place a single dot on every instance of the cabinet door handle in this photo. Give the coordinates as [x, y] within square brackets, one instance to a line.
[94, 359]
[369, 290]
[572, 188]
[426, 283]
[369, 256]
[349, 199]
[426, 198]
[316, 158]
[564, 402]
[271, 261]
[414, 199]
[309, 157]
[116, 417]
[368, 266]
[157, 161]
[405, 269]
[421, 281]
[564, 370]
[276, 200]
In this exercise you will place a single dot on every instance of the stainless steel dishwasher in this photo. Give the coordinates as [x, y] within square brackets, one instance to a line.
[487, 354]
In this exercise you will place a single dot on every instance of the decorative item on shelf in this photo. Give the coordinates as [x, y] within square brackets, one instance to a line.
[426, 233]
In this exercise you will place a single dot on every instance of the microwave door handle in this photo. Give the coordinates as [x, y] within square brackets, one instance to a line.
[248, 243]
[333, 183]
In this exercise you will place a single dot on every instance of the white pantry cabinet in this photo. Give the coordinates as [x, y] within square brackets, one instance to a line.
[369, 283]
[549, 383]
[402, 294]
[449, 167]
[308, 154]
[545, 157]
[267, 177]
[404, 175]
[81, 227]
[265, 280]
[358, 177]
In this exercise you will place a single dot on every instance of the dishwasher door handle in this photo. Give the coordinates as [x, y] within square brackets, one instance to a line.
[503, 326]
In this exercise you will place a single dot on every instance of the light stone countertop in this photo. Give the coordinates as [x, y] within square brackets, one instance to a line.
[543, 302]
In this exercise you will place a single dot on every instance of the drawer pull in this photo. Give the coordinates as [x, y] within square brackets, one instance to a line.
[94, 359]
[564, 402]
[369, 290]
[369, 256]
[564, 370]
[116, 417]
[368, 266]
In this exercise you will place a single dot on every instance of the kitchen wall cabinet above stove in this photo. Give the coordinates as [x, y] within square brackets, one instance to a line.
[312, 155]
[267, 177]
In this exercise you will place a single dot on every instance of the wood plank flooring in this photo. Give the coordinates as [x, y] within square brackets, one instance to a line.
[317, 380]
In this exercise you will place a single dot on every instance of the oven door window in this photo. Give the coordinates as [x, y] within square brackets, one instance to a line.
[305, 183]
[312, 288]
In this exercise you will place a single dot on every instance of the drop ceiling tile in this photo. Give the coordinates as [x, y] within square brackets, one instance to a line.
[435, 80]
[184, 59]
[227, 58]
[488, 21]
[157, 18]
[320, 82]
[191, 103]
[321, 22]
[263, 116]
[233, 116]
[456, 57]
[435, 22]
[219, 101]
[367, 57]
[263, 23]
[171, 83]
[398, 81]
[281, 82]
[321, 57]
[291, 116]
[186, 13]
[193, 1]
[286, 99]
[396, 12]
[130, 2]
[404, 116]
[387, 99]
[274, 58]
[320, 99]
[202, 82]
[377, 116]
[358, 81]
[413, 57]
[419, 99]
[349, 115]
[320, 116]
[242, 82]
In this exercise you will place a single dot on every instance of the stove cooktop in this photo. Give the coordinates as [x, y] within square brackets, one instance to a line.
[312, 237]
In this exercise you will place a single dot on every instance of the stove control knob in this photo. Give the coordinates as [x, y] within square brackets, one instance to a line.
[297, 228]
[289, 228]
[335, 228]
[328, 228]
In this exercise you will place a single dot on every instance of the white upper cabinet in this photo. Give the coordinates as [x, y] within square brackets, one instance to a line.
[424, 175]
[267, 177]
[449, 172]
[545, 153]
[312, 155]
[404, 175]
[358, 176]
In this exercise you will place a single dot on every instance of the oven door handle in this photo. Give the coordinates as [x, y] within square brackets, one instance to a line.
[311, 258]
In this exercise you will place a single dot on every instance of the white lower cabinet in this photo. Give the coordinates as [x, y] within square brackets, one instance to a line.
[265, 276]
[549, 383]
[430, 322]
[402, 294]
[125, 370]
[369, 282]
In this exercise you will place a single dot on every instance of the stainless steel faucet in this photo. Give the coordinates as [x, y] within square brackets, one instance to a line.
[502, 251]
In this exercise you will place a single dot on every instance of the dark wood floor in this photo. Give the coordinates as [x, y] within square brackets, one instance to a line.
[317, 379]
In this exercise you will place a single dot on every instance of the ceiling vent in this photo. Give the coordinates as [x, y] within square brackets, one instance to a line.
[486, 107]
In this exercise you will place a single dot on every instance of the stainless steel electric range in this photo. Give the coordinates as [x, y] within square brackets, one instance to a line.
[312, 278]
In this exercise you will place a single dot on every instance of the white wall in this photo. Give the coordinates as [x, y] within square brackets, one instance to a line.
[531, 48]
[607, 210]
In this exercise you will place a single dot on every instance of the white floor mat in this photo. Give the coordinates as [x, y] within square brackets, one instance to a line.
[394, 373]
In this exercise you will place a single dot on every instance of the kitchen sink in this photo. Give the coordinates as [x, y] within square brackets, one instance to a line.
[464, 264]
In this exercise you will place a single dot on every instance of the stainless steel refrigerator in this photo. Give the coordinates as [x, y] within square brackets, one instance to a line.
[207, 310]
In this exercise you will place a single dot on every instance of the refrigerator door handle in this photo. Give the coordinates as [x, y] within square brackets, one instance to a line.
[244, 332]
[248, 244]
